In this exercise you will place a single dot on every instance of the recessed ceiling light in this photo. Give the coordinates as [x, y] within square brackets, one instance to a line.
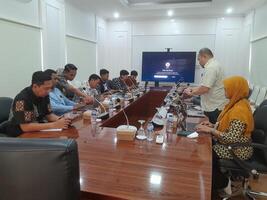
[172, 20]
[229, 10]
[222, 18]
[170, 13]
[116, 15]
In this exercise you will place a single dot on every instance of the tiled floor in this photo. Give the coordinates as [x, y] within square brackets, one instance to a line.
[258, 185]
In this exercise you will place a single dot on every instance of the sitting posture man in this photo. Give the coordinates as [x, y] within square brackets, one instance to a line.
[31, 110]
[59, 103]
[119, 83]
[105, 84]
[93, 83]
[131, 80]
[67, 89]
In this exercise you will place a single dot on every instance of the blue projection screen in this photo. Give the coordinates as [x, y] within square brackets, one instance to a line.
[169, 66]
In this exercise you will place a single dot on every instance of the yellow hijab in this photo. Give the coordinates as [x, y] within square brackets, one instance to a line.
[237, 91]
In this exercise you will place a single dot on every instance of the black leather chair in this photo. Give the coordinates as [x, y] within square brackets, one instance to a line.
[257, 164]
[43, 169]
[5, 107]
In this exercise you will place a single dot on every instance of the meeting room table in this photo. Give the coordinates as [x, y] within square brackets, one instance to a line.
[180, 168]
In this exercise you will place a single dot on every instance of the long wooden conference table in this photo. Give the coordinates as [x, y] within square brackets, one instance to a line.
[180, 168]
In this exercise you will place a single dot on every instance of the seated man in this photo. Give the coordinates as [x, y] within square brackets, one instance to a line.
[119, 83]
[105, 84]
[59, 103]
[31, 110]
[131, 80]
[67, 89]
[93, 82]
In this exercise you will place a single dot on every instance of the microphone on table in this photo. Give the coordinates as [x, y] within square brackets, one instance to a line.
[105, 114]
[126, 132]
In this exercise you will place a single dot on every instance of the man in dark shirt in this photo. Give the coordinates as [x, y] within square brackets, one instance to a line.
[119, 83]
[68, 74]
[105, 84]
[131, 80]
[31, 109]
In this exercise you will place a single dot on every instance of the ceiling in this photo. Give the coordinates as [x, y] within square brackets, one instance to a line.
[151, 9]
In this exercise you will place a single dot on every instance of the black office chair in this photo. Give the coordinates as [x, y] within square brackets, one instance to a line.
[40, 169]
[257, 164]
[5, 107]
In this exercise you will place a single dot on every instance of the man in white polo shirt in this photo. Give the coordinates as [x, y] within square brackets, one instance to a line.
[211, 88]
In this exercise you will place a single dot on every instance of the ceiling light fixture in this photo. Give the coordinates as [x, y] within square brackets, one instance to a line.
[229, 10]
[170, 13]
[116, 15]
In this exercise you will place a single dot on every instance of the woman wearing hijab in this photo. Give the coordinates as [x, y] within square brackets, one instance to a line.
[234, 125]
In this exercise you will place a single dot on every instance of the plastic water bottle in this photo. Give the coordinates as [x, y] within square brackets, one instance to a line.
[93, 117]
[169, 124]
[110, 108]
[169, 127]
[97, 126]
[150, 130]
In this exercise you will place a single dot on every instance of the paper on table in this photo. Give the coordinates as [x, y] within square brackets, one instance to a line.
[193, 135]
[53, 129]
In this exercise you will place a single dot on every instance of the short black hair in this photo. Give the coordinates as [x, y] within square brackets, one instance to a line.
[124, 72]
[69, 67]
[103, 72]
[134, 73]
[94, 77]
[40, 77]
[50, 72]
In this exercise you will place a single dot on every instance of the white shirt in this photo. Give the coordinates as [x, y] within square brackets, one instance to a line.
[213, 79]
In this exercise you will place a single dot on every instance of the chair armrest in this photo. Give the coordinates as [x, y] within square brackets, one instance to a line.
[259, 146]
[242, 163]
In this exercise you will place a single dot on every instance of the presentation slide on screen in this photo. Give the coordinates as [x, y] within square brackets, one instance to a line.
[168, 66]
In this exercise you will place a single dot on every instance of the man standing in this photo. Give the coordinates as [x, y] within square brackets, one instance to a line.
[211, 88]
[31, 110]
[67, 89]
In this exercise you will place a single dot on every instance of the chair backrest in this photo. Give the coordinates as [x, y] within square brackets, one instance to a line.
[261, 96]
[39, 169]
[254, 94]
[259, 134]
[5, 106]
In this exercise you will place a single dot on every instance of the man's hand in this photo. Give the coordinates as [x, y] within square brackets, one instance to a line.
[78, 105]
[88, 100]
[62, 123]
[188, 92]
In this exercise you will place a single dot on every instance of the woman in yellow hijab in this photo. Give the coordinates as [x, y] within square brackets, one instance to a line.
[234, 125]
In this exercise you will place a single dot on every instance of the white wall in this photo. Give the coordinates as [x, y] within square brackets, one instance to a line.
[41, 34]
[53, 33]
[81, 41]
[259, 47]
[228, 38]
[20, 47]
[119, 47]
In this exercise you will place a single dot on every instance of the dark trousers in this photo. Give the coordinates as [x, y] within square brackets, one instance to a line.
[219, 179]
[213, 115]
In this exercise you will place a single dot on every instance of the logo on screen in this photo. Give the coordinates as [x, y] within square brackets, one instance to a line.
[167, 65]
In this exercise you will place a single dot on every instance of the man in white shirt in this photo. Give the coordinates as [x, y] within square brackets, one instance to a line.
[211, 88]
